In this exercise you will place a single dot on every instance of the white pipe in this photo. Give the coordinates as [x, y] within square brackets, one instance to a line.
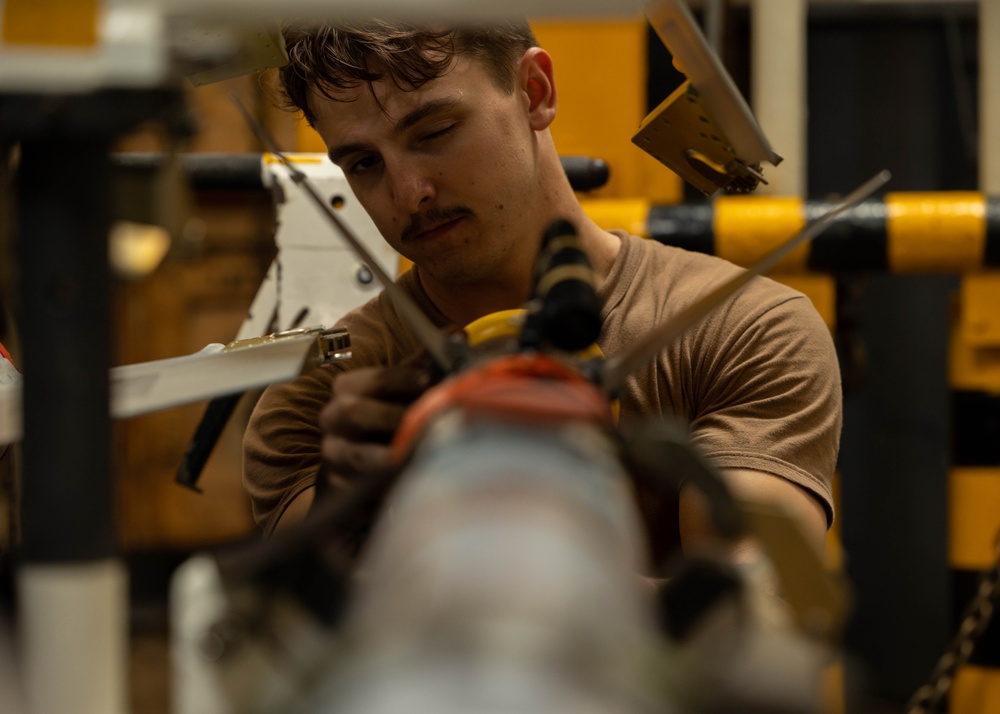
[507, 541]
[778, 95]
[73, 620]
[989, 97]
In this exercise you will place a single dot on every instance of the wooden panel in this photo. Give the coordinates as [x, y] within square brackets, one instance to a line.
[188, 303]
[199, 295]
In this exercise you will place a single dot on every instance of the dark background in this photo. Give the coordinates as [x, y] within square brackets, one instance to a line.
[889, 87]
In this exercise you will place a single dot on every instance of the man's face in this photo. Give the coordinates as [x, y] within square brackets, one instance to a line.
[447, 172]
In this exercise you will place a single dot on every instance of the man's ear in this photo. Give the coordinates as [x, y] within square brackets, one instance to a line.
[536, 80]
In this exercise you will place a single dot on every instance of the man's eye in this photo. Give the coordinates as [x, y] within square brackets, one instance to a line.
[439, 133]
[363, 165]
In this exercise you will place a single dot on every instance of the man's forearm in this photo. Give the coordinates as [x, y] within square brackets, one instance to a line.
[296, 511]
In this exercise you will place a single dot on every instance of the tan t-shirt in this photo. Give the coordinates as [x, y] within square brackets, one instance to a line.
[757, 380]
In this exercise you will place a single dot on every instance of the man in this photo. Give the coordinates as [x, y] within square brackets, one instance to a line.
[444, 138]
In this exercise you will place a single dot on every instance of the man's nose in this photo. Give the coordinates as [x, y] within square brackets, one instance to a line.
[413, 189]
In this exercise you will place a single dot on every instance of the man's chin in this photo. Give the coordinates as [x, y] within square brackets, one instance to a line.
[451, 274]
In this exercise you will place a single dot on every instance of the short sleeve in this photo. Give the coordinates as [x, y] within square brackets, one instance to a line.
[769, 397]
[282, 442]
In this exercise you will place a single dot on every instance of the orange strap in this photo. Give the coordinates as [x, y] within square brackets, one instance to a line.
[531, 388]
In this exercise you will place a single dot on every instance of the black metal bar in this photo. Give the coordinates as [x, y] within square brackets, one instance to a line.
[965, 584]
[203, 442]
[992, 257]
[585, 173]
[858, 240]
[63, 218]
[242, 172]
[206, 172]
[685, 225]
[67, 494]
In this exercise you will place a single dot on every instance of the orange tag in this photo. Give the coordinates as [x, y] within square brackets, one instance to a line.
[58, 23]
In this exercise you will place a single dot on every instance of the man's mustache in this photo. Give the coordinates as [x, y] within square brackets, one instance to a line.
[432, 218]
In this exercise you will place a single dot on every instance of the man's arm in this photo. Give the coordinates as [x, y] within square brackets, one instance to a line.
[752, 486]
[357, 425]
[281, 443]
[296, 511]
[770, 413]
[747, 554]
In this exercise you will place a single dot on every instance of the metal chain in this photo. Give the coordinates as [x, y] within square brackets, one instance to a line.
[975, 620]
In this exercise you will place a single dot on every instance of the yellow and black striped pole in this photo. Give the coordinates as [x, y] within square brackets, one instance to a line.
[974, 482]
[942, 232]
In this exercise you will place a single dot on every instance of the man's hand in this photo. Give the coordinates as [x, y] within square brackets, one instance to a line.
[358, 423]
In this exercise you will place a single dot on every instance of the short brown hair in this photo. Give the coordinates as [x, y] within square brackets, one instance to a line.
[332, 58]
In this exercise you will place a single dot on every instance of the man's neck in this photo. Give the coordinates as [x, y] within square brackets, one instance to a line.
[461, 304]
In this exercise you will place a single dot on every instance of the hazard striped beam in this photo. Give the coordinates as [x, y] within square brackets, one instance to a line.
[912, 232]
[974, 485]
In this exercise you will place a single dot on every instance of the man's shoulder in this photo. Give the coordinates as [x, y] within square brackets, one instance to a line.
[657, 271]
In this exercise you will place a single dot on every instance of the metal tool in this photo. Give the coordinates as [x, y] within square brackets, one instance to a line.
[704, 131]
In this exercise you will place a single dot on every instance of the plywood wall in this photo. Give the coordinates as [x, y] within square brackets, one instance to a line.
[199, 295]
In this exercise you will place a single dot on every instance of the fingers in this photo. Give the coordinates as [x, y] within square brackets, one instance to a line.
[397, 384]
[348, 458]
[355, 416]
[362, 416]
[370, 402]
